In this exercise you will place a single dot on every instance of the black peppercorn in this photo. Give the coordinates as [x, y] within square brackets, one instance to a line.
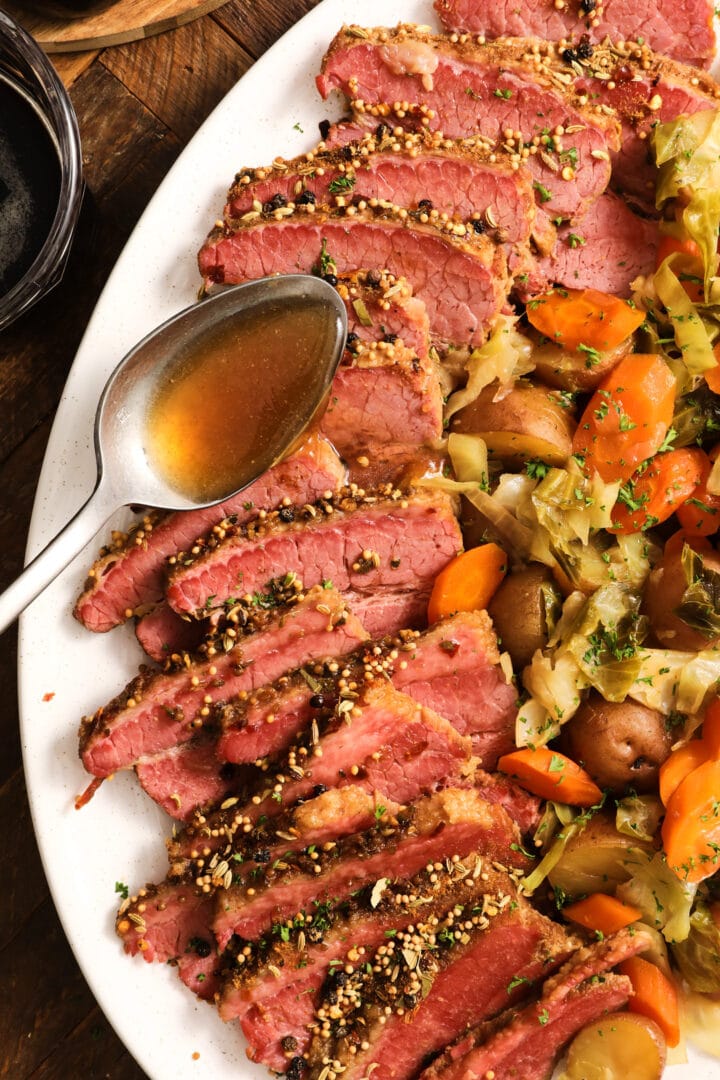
[286, 514]
[425, 204]
[330, 278]
[585, 49]
[317, 701]
[262, 856]
[306, 199]
[276, 203]
[202, 948]
[479, 226]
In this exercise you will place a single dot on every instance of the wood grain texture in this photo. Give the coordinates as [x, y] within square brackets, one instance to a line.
[129, 20]
[137, 106]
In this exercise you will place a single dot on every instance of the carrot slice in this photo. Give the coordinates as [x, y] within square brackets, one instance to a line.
[711, 728]
[468, 583]
[654, 996]
[627, 418]
[712, 376]
[691, 829]
[700, 514]
[602, 912]
[551, 775]
[656, 492]
[679, 765]
[575, 318]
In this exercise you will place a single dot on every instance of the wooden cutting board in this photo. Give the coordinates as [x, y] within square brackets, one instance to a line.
[127, 20]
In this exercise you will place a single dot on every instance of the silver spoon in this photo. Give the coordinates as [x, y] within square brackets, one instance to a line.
[125, 473]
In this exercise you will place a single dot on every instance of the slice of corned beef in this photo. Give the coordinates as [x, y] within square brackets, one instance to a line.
[271, 1020]
[189, 776]
[471, 179]
[163, 634]
[452, 668]
[171, 924]
[381, 306]
[497, 89]
[362, 543]
[644, 89]
[528, 1042]
[606, 250]
[450, 822]
[228, 831]
[441, 984]
[382, 393]
[158, 710]
[681, 30]
[382, 742]
[130, 574]
[641, 88]
[460, 274]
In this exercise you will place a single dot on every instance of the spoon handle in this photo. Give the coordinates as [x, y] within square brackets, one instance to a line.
[56, 556]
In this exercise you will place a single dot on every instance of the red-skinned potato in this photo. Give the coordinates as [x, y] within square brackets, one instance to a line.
[527, 423]
[519, 612]
[621, 744]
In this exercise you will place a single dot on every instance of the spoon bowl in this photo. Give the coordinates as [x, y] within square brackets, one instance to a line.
[128, 473]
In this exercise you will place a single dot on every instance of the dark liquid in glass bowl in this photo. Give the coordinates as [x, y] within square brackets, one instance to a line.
[29, 184]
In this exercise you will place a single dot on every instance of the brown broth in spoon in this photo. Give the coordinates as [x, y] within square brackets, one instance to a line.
[222, 408]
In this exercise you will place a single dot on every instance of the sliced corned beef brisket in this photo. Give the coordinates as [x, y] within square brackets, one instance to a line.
[160, 709]
[297, 1008]
[471, 178]
[452, 668]
[642, 89]
[130, 575]
[491, 89]
[459, 274]
[607, 249]
[463, 979]
[527, 1042]
[383, 394]
[455, 820]
[682, 29]
[382, 742]
[363, 543]
[380, 305]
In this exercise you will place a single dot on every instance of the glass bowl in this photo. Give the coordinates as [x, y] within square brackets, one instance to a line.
[25, 69]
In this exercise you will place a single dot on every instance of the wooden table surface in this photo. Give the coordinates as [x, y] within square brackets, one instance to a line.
[137, 106]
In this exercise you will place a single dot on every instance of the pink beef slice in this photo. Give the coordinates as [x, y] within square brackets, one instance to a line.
[438, 993]
[644, 89]
[130, 576]
[385, 743]
[453, 821]
[229, 831]
[172, 925]
[271, 1020]
[189, 776]
[527, 1042]
[162, 633]
[466, 89]
[683, 30]
[382, 393]
[160, 709]
[302, 956]
[388, 309]
[408, 540]
[460, 275]
[607, 250]
[452, 668]
[471, 178]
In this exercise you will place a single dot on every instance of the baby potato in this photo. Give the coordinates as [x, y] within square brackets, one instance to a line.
[620, 1046]
[621, 744]
[663, 593]
[527, 423]
[575, 370]
[519, 612]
